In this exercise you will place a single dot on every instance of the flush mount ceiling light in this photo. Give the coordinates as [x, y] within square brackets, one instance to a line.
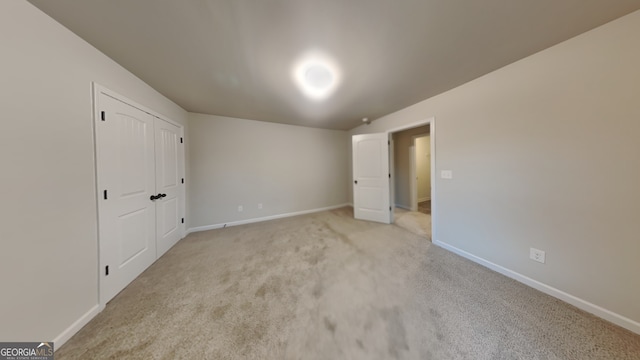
[316, 75]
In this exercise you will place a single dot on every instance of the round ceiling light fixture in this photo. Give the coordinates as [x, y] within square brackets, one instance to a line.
[316, 75]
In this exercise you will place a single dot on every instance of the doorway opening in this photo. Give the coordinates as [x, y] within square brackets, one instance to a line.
[412, 163]
[382, 179]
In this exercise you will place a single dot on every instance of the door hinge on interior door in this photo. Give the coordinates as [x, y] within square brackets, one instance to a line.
[105, 194]
[103, 116]
[181, 142]
[183, 220]
[106, 270]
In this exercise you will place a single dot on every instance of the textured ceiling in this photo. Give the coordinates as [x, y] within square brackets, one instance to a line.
[236, 57]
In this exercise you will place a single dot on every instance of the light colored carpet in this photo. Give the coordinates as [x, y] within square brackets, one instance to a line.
[413, 221]
[325, 286]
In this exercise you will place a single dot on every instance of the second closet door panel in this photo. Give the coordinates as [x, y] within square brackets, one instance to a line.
[126, 180]
[168, 182]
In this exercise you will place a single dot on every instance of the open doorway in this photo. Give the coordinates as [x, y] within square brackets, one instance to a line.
[412, 166]
[382, 180]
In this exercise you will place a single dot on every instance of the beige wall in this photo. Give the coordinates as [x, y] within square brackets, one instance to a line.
[48, 236]
[545, 154]
[243, 162]
[402, 140]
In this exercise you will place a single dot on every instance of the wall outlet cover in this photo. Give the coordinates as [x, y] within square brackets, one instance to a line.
[537, 255]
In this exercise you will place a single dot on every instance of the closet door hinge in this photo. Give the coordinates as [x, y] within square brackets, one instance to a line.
[106, 270]
[183, 220]
[105, 194]
[181, 141]
[183, 180]
[103, 116]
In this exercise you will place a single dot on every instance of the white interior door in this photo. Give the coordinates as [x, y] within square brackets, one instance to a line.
[168, 183]
[371, 193]
[126, 181]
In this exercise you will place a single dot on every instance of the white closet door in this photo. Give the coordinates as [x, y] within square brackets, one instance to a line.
[126, 181]
[168, 182]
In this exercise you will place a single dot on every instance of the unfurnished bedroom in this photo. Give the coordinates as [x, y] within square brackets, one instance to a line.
[219, 179]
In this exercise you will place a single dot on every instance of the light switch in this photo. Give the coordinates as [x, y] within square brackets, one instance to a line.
[446, 174]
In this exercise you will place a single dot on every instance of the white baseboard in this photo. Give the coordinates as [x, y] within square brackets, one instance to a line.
[63, 337]
[266, 218]
[601, 312]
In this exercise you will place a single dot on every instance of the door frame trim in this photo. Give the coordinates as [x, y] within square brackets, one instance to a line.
[97, 89]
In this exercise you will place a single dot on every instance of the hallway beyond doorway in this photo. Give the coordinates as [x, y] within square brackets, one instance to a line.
[425, 207]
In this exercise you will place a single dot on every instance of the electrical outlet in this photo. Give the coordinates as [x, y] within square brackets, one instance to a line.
[536, 255]
[260, 206]
[446, 174]
[240, 208]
